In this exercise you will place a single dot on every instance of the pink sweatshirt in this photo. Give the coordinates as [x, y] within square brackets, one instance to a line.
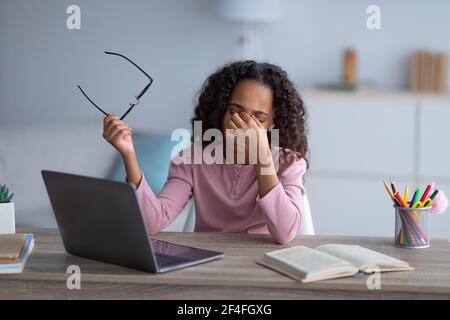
[227, 200]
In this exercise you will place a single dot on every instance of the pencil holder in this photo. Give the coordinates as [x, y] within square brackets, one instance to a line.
[412, 227]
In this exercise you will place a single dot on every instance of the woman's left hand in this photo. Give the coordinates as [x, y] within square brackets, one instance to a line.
[241, 120]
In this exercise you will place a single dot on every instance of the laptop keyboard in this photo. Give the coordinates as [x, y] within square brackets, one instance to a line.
[165, 261]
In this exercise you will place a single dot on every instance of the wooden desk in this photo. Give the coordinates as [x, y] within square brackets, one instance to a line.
[236, 276]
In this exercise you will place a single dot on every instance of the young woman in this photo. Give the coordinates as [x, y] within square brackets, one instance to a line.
[232, 197]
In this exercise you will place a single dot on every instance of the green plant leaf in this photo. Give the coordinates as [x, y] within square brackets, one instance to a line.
[4, 194]
[8, 199]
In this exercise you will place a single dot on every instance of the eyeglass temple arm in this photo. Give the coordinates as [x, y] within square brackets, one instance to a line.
[134, 64]
[144, 90]
[92, 101]
[127, 112]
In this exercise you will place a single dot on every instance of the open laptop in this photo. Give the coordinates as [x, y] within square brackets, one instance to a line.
[101, 220]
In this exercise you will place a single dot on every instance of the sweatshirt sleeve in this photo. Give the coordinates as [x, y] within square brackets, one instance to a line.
[161, 209]
[282, 205]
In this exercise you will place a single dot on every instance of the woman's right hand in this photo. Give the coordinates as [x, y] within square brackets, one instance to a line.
[118, 134]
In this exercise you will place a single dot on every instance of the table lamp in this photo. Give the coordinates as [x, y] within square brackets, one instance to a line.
[250, 13]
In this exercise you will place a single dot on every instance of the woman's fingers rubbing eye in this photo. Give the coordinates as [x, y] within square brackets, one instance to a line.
[239, 116]
[241, 123]
[236, 118]
[233, 125]
[258, 123]
[245, 117]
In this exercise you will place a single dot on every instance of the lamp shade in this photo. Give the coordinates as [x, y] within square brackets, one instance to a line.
[249, 10]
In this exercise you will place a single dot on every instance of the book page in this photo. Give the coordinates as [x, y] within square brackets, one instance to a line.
[304, 262]
[364, 258]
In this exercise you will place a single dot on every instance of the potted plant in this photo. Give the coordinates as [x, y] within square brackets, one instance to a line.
[7, 217]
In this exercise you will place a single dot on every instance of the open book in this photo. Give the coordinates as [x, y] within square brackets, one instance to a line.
[330, 261]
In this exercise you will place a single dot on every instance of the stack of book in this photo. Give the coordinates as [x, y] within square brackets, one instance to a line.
[14, 252]
[429, 72]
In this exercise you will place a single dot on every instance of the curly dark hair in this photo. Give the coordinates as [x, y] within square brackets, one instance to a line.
[289, 110]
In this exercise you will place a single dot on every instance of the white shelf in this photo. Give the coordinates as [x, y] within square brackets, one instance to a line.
[359, 138]
[373, 94]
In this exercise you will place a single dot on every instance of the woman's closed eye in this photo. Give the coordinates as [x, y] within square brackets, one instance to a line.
[260, 117]
[234, 110]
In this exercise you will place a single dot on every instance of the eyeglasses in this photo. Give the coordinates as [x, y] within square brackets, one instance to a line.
[138, 97]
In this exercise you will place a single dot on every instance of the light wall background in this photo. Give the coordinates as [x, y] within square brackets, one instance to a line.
[46, 123]
[180, 43]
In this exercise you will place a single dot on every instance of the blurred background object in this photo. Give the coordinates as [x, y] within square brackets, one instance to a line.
[429, 72]
[349, 79]
[350, 66]
[250, 14]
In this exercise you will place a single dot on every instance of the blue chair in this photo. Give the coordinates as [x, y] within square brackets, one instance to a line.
[154, 155]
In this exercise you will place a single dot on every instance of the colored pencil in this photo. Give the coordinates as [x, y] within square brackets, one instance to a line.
[389, 191]
[400, 199]
[415, 198]
[394, 186]
[425, 193]
[405, 197]
[434, 194]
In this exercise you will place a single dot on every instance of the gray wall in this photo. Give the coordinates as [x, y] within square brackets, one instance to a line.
[180, 42]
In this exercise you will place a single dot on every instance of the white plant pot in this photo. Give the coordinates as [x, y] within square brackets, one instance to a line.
[7, 218]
